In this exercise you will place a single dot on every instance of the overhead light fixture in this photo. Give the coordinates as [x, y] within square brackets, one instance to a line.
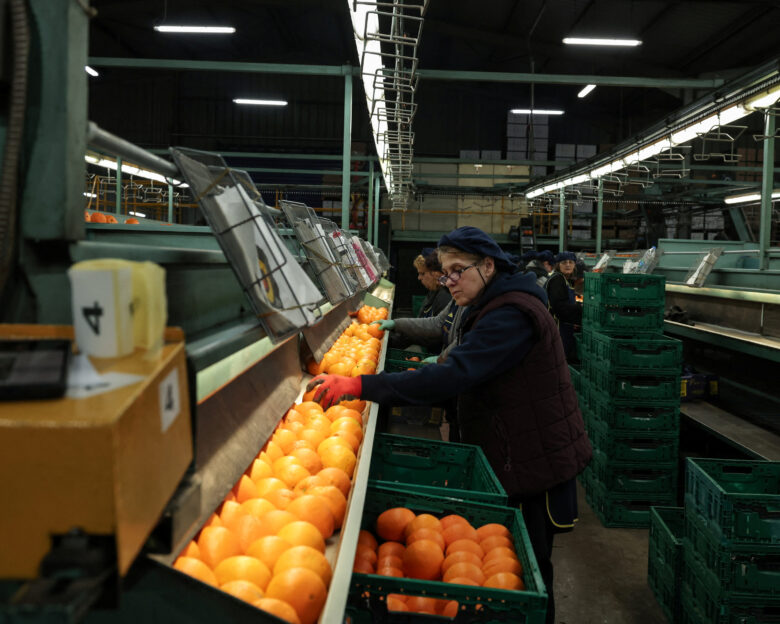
[697, 129]
[91, 71]
[134, 171]
[534, 193]
[592, 41]
[585, 90]
[90, 195]
[765, 99]
[137, 214]
[260, 102]
[535, 111]
[749, 197]
[202, 30]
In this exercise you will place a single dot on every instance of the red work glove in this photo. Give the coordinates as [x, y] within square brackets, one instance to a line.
[334, 389]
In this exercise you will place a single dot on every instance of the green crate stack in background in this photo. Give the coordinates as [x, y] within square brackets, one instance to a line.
[731, 546]
[665, 558]
[629, 393]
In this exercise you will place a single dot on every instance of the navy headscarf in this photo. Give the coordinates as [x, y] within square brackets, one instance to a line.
[475, 241]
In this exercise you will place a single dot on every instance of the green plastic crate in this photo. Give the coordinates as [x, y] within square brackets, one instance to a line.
[665, 558]
[634, 318]
[367, 594]
[636, 417]
[402, 354]
[665, 589]
[436, 468]
[739, 499]
[691, 612]
[628, 353]
[397, 366]
[624, 289]
[639, 477]
[576, 376]
[634, 446]
[656, 388]
[625, 510]
[729, 571]
[417, 304]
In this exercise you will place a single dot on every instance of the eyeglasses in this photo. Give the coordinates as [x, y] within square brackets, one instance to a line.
[455, 275]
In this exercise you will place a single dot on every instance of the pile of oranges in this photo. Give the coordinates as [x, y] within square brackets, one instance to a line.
[449, 549]
[99, 217]
[368, 314]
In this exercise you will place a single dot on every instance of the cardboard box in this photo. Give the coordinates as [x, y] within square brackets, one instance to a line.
[107, 464]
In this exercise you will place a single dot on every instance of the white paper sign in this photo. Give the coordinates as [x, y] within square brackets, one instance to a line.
[169, 399]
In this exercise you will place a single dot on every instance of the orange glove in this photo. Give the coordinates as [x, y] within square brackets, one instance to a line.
[334, 389]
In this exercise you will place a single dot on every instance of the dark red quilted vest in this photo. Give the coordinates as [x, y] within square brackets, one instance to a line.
[527, 419]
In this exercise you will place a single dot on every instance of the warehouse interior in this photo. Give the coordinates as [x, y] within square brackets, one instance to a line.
[384, 125]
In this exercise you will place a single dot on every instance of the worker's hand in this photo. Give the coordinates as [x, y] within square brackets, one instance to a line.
[431, 359]
[332, 389]
[387, 325]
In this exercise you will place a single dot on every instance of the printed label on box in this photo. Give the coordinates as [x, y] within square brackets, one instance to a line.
[169, 399]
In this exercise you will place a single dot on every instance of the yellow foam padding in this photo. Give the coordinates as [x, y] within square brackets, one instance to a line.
[149, 303]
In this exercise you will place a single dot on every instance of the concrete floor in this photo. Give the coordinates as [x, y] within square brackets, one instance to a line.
[600, 573]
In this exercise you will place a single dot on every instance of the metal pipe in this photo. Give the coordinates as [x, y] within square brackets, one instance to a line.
[562, 222]
[346, 150]
[116, 146]
[730, 251]
[767, 186]
[170, 201]
[377, 197]
[118, 193]
[599, 214]
[370, 224]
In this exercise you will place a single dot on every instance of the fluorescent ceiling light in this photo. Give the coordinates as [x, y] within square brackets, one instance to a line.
[535, 111]
[749, 197]
[260, 102]
[90, 195]
[137, 214]
[534, 193]
[601, 171]
[204, 30]
[765, 100]
[134, 171]
[601, 42]
[691, 132]
[91, 71]
[732, 114]
[585, 90]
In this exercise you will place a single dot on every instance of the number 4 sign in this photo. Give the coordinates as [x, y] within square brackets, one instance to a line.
[169, 399]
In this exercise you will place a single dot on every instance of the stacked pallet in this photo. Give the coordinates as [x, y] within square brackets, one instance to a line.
[629, 393]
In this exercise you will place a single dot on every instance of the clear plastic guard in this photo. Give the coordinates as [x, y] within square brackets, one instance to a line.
[704, 264]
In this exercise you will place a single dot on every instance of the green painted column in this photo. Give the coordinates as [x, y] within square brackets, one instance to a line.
[170, 201]
[370, 224]
[56, 122]
[562, 220]
[377, 197]
[346, 151]
[118, 187]
[767, 186]
[738, 218]
[599, 214]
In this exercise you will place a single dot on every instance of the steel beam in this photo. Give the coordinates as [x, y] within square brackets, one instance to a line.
[377, 193]
[767, 186]
[224, 66]
[738, 219]
[562, 221]
[346, 152]
[118, 207]
[370, 224]
[599, 214]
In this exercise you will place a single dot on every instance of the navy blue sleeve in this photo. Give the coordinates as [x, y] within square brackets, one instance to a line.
[501, 339]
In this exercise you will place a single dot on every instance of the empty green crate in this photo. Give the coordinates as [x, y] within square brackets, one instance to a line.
[625, 510]
[434, 467]
[666, 590]
[636, 417]
[624, 289]
[739, 499]
[634, 446]
[667, 530]
[650, 477]
[627, 353]
[750, 571]
[368, 592]
[692, 613]
[644, 319]
[657, 388]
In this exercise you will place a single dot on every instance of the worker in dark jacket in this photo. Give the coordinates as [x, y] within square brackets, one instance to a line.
[428, 272]
[566, 310]
[540, 265]
[509, 372]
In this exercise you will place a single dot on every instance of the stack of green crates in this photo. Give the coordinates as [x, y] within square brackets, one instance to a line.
[731, 570]
[629, 393]
[665, 558]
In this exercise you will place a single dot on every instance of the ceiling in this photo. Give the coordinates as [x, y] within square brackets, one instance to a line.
[158, 108]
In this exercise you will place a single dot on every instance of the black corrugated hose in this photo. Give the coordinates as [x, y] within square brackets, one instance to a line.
[9, 182]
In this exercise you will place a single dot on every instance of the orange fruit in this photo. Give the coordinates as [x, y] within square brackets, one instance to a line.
[302, 533]
[304, 486]
[308, 459]
[504, 580]
[375, 332]
[341, 368]
[217, 543]
[362, 566]
[335, 500]
[391, 523]
[257, 507]
[294, 415]
[463, 580]
[394, 604]
[338, 456]
[460, 557]
[196, 569]
[334, 412]
[389, 570]
[332, 441]
[98, 217]
[313, 436]
[488, 530]
[451, 519]
[275, 519]
[351, 413]
[130, 221]
[296, 428]
[281, 498]
[273, 450]
[421, 604]
[345, 423]
[111, 219]
[285, 439]
[355, 404]
[310, 394]
[319, 422]
[247, 529]
[86, 217]
[423, 559]
[459, 530]
[191, 550]
[243, 568]
[363, 367]
[244, 590]
[313, 368]
[400, 597]
[495, 541]
[348, 437]
[308, 407]
[291, 473]
[498, 553]
[305, 557]
[423, 521]
[212, 521]
[303, 443]
[367, 539]
[450, 609]
[260, 470]
[338, 477]
[281, 609]
[429, 534]
[267, 549]
[465, 544]
[315, 510]
[390, 561]
[464, 570]
[387, 549]
[502, 564]
[229, 511]
[244, 489]
[303, 589]
[364, 551]
[268, 484]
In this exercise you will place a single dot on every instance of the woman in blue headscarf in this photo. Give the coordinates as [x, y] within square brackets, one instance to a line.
[566, 310]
